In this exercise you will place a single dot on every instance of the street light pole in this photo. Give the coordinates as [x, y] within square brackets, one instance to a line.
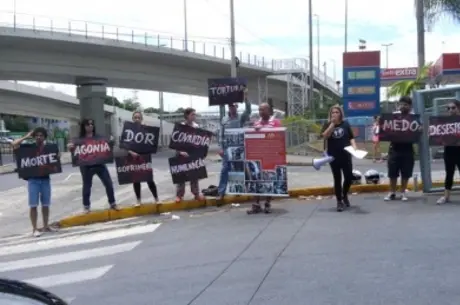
[310, 35]
[185, 27]
[318, 43]
[386, 46]
[346, 25]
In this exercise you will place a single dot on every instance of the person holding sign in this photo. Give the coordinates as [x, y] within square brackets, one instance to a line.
[138, 118]
[232, 120]
[39, 188]
[451, 157]
[338, 134]
[267, 120]
[401, 158]
[88, 130]
[190, 117]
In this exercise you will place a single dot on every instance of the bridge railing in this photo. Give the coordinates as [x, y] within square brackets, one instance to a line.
[213, 47]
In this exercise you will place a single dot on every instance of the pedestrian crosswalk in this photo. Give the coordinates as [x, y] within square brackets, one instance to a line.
[61, 262]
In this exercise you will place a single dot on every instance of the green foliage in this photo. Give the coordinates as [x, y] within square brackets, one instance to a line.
[301, 125]
[16, 124]
[406, 87]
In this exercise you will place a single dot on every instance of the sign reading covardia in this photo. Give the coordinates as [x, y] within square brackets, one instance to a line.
[444, 131]
[92, 151]
[184, 169]
[224, 91]
[398, 127]
[33, 161]
[194, 141]
[139, 138]
[132, 169]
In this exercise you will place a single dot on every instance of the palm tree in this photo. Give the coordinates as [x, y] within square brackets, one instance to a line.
[429, 12]
[406, 87]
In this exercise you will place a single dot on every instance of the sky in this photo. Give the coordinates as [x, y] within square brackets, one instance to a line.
[275, 31]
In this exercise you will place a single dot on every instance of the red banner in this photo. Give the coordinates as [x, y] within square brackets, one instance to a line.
[361, 59]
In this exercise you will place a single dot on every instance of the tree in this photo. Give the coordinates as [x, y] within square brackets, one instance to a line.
[429, 12]
[406, 87]
[16, 124]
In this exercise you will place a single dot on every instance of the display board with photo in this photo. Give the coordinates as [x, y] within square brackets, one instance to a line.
[257, 161]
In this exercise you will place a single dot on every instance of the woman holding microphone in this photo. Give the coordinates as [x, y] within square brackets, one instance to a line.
[337, 134]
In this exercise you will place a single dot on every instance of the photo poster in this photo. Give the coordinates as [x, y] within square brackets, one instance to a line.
[224, 91]
[444, 130]
[257, 161]
[400, 128]
[33, 162]
[131, 169]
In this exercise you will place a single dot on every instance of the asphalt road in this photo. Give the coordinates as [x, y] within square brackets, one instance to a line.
[303, 253]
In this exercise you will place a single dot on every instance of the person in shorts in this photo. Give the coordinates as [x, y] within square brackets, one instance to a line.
[39, 188]
[400, 158]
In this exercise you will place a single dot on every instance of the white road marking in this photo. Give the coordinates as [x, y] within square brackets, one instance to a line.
[69, 277]
[66, 257]
[61, 241]
[69, 300]
[70, 176]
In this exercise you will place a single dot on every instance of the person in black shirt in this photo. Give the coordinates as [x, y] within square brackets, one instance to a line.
[400, 158]
[451, 157]
[39, 188]
[337, 134]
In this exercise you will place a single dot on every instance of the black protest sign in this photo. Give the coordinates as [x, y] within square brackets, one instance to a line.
[194, 141]
[92, 151]
[139, 138]
[132, 169]
[224, 91]
[38, 161]
[185, 169]
[444, 131]
[398, 127]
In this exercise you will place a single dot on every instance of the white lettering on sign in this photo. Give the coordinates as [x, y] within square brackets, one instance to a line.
[224, 90]
[134, 168]
[399, 73]
[139, 137]
[197, 164]
[183, 137]
[445, 129]
[401, 125]
[39, 160]
[91, 149]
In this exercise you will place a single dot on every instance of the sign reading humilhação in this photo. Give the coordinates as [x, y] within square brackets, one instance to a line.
[398, 127]
[139, 138]
[224, 91]
[184, 169]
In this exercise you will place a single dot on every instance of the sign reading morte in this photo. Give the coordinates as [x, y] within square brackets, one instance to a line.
[33, 161]
[187, 169]
[92, 151]
[225, 91]
[398, 127]
[139, 138]
[134, 169]
[194, 141]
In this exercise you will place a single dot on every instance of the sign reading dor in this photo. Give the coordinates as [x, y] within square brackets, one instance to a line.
[139, 138]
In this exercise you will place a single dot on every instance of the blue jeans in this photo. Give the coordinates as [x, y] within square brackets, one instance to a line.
[223, 175]
[87, 173]
[39, 191]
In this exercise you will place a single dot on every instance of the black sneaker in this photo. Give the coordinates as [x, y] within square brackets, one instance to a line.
[390, 196]
[340, 206]
[346, 202]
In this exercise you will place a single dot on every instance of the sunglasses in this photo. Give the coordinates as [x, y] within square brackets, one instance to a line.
[451, 108]
[90, 124]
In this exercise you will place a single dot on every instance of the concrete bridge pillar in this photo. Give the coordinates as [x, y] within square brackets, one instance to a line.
[92, 93]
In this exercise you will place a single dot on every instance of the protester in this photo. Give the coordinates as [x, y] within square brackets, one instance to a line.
[232, 120]
[189, 116]
[376, 140]
[39, 188]
[400, 158]
[138, 118]
[451, 157]
[88, 130]
[267, 120]
[338, 134]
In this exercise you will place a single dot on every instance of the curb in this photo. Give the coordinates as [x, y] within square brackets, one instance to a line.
[152, 208]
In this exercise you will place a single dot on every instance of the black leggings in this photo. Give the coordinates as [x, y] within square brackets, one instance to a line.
[451, 161]
[342, 163]
[152, 187]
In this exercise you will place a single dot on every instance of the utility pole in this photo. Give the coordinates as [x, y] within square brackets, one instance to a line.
[318, 42]
[386, 46]
[160, 101]
[311, 82]
[185, 27]
[346, 26]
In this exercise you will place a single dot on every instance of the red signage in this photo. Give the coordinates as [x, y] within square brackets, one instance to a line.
[451, 61]
[398, 73]
[361, 105]
[361, 59]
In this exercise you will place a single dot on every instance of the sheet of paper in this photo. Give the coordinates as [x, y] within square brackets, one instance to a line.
[357, 153]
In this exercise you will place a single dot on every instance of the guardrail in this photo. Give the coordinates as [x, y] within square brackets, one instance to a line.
[212, 47]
